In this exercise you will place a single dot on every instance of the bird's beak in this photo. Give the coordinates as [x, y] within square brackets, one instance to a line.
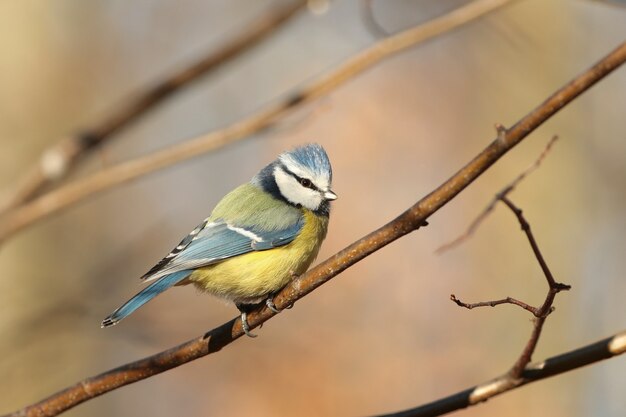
[330, 195]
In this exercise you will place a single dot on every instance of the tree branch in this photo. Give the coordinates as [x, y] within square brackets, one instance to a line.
[586, 355]
[408, 221]
[72, 193]
[59, 160]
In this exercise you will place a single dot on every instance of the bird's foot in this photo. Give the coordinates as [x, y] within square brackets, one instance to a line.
[245, 326]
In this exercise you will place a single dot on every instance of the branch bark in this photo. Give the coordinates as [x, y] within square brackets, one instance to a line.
[58, 161]
[410, 220]
[72, 193]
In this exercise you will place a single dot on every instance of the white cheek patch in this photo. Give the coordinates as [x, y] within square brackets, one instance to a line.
[294, 192]
[287, 185]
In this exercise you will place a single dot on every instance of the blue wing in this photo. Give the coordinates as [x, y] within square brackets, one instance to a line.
[207, 244]
[212, 242]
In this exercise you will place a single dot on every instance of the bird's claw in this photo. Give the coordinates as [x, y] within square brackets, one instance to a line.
[269, 302]
[245, 326]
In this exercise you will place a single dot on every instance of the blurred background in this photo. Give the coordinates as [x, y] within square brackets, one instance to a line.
[383, 336]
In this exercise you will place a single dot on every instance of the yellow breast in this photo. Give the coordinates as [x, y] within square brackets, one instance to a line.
[252, 277]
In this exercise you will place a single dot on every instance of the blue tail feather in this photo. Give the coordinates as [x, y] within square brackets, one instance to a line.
[144, 296]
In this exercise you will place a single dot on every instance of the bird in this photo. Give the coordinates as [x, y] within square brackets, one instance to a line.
[257, 239]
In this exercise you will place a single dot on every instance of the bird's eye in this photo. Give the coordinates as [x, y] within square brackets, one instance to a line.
[305, 182]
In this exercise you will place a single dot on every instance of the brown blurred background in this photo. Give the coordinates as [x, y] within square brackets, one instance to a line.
[382, 336]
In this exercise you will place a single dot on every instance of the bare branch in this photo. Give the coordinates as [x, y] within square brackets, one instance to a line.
[59, 160]
[586, 355]
[407, 222]
[485, 213]
[72, 193]
[533, 243]
[507, 300]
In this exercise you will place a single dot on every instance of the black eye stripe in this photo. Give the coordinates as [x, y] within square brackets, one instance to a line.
[305, 182]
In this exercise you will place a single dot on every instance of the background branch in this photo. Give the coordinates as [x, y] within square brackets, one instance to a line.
[72, 193]
[369, 19]
[586, 355]
[407, 222]
[59, 160]
[482, 216]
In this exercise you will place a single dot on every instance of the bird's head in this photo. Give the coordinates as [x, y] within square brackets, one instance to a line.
[301, 177]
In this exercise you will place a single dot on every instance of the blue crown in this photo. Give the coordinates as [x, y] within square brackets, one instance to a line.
[312, 156]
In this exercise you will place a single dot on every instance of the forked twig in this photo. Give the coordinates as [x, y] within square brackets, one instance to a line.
[541, 312]
[546, 308]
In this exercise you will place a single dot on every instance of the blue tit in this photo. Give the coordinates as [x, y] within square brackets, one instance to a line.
[259, 236]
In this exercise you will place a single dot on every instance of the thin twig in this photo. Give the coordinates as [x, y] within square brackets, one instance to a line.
[370, 21]
[407, 222]
[59, 160]
[492, 204]
[507, 300]
[531, 168]
[586, 355]
[533, 243]
[72, 193]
